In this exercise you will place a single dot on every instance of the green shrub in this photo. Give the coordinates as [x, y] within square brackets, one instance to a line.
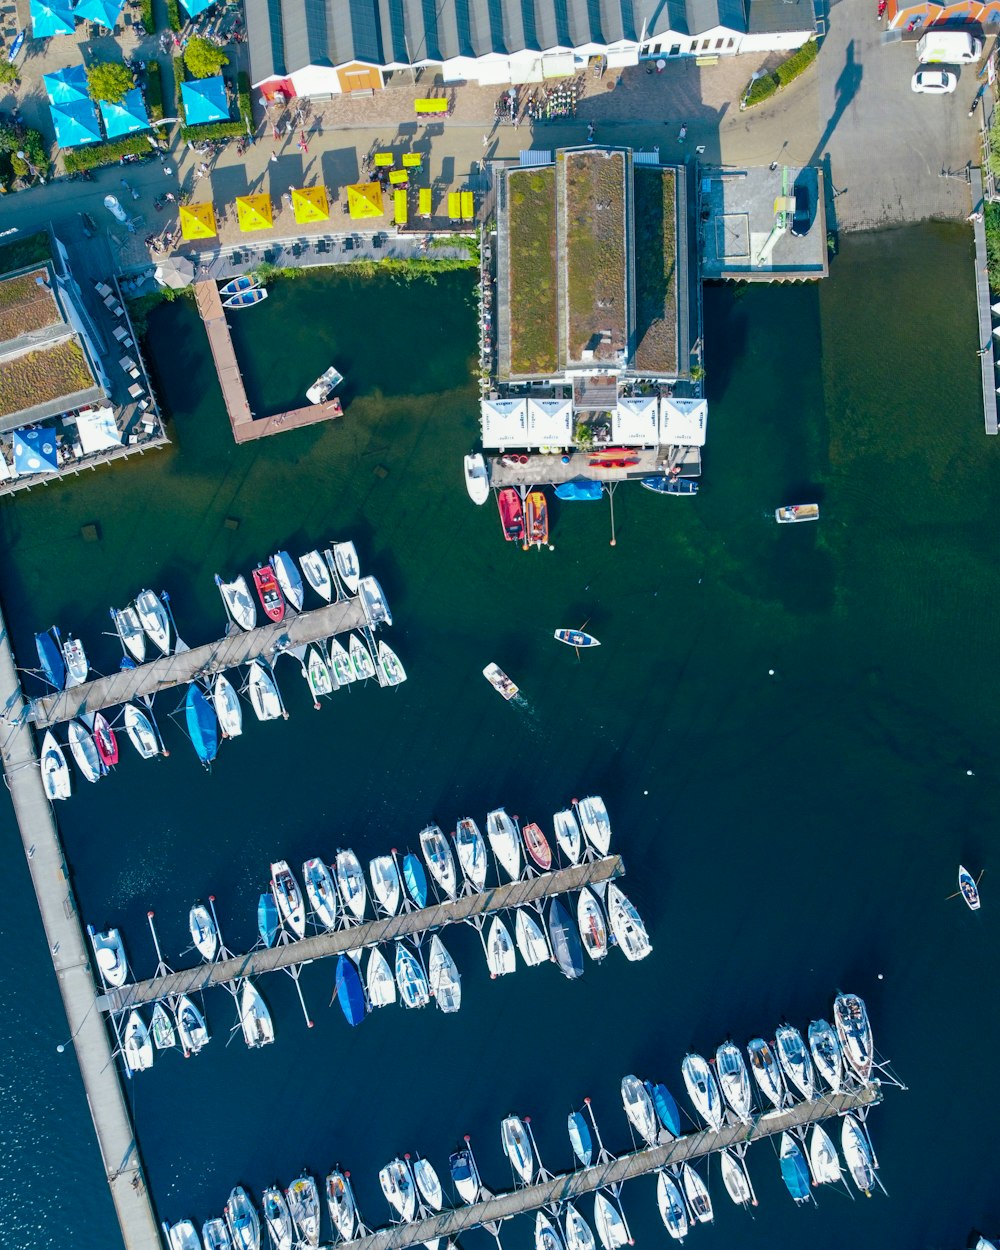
[146, 16]
[154, 90]
[202, 58]
[243, 92]
[211, 130]
[109, 80]
[991, 215]
[8, 72]
[174, 15]
[98, 154]
[31, 144]
[760, 89]
[797, 62]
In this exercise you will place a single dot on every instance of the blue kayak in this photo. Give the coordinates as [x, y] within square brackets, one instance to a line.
[580, 489]
[794, 1170]
[202, 723]
[580, 1140]
[565, 937]
[267, 918]
[51, 659]
[666, 1109]
[350, 993]
[416, 880]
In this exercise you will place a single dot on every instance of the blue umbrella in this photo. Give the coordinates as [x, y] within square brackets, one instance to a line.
[75, 123]
[125, 117]
[66, 85]
[194, 7]
[35, 450]
[50, 17]
[103, 12]
[205, 100]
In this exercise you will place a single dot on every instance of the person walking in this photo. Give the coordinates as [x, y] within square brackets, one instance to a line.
[682, 133]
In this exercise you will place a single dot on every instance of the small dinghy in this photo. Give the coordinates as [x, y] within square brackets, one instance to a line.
[580, 1138]
[269, 593]
[439, 859]
[288, 896]
[518, 1148]
[443, 977]
[410, 978]
[502, 833]
[537, 846]
[477, 479]
[471, 851]
[393, 672]
[255, 1019]
[247, 298]
[182, 1236]
[239, 604]
[204, 932]
[610, 1223]
[317, 673]
[595, 823]
[385, 883]
[530, 937]
[824, 1046]
[428, 1184]
[500, 957]
[380, 981]
[547, 1234]
[626, 924]
[794, 1060]
[673, 1212]
[576, 638]
[77, 666]
[823, 1157]
[321, 892]
[350, 992]
[734, 1080]
[703, 1090]
[227, 706]
[268, 919]
[141, 732]
[351, 880]
[215, 1235]
[202, 724]
[263, 691]
[968, 887]
[289, 579]
[565, 939]
[639, 1109]
[303, 1203]
[345, 558]
[361, 659]
[55, 770]
[568, 837]
[191, 1027]
[696, 1192]
[277, 1218]
[735, 1179]
[340, 1203]
[153, 617]
[578, 1231]
[340, 663]
[243, 1221]
[794, 1169]
[465, 1175]
[858, 1154]
[593, 930]
[397, 1184]
[50, 658]
[766, 1072]
[670, 485]
[137, 1045]
[84, 751]
[235, 285]
[105, 741]
[162, 1029]
[374, 602]
[316, 573]
[854, 1030]
[128, 627]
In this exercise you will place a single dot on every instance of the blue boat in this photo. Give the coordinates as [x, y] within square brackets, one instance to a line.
[670, 485]
[416, 880]
[580, 1139]
[202, 723]
[794, 1170]
[233, 287]
[580, 489]
[566, 944]
[50, 658]
[268, 920]
[350, 993]
[666, 1109]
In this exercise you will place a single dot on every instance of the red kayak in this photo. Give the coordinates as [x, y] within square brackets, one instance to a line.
[269, 592]
[538, 847]
[106, 742]
[511, 514]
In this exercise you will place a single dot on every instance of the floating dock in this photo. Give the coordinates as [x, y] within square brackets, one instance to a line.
[409, 924]
[237, 647]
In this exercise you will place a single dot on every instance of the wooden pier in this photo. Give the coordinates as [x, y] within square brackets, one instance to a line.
[355, 937]
[71, 961]
[556, 470]
[987, 356]
[245, 426]
[569, 1186]
[237, 647]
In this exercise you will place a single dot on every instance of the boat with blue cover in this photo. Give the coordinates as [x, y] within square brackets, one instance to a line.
[246, 299]
[670, 485]
[416, 880]
[581, 489]
[50, 657]
[235, 285]
[565, 938]
[350, 992]
[202, 723]
[667, 1111]
[794, 1169]
[580, 1138]
[268, 920]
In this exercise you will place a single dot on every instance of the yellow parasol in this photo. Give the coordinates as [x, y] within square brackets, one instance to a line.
[254, 212]
[364, 199]
[197, 221]
[310, 204]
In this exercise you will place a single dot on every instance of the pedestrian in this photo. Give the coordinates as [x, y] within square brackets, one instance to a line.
[682, 133]
[486, 141]
[274, 157]
[167, 170]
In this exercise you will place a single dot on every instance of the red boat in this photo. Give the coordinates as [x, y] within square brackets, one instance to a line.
[269, 592]
[538, 847]
[105, 741]
[511, 514]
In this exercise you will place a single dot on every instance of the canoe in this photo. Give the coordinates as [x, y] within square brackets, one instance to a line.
[477, 478]
[55, 770]
[237, 600]
[350, 992]
[289, 579]
[202, 724]
[269, 593]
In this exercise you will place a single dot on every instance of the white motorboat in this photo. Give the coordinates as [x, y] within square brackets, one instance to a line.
[443, 976]
[277, 1218]
[610, 1223]
[568, 836]
[766, 1072]
[321, 892]
[361, 659]
[288, 896]
[153, 617]
[340, 663]
[471, 850]
[215, 1235]
[696, 1192]
[851, 1018]
[161, 1027]
[109, 954]
[204, 932]
[340, 1204]
[794, 1060]
[823, 1158]
[137, 1045]
[411, 979]
[547, 1234]
[264, 697]
[128, 627]
[593, 930]
[351, 881]
[595, 823]
[239, 602]
[703, 1090]
[191, 1027]
[55, 770]
[398, 1186]
[289, 579]
[735, 1179]
[857, 1154]
[389, 662]
[84, 751]
[518, 1148]
[243, 1221]
[385, 883]
[734, 1080]
[75, 657]
[673, 1212]
[182, 1236]
[439, 859]
[531, 939]
[379, 980]
[428, 1184]
[502, 833]
[374, 602]
[345, 557]
[258, 1027]
[303, 1204]
[578, 1232]
[227, 706]
[827, 1054]
[639, 1109]
[477, 479]
[626, 924]
[324, 386]
[317, 574]
[141, 732]
[465, 1174]
[500, 957]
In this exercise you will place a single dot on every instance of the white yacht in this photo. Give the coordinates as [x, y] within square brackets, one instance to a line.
[703, 1090]
[227, 706]
[502, 833]
[398, 1186]
[595, 823]
[500, 957]
[303, 1203]
[345, 556]
[626, 924]
[734, 1080]
[673, 1210]
[379, 980]
[255, 1019]
[471, 851]
[567, 833]
[239, 602]
[137, 1045]
[288, 896]
[794, 1059]
[204, 932]
[321, 892]
[823, 1157]
[443, 977]
[639, 1109]
[518, 1148]
[153, 617]
[351, 880]
[55, 770]
[385, 883]
[530, 938]
[439, 859]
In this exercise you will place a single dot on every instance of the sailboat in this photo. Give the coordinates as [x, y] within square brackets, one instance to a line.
[316, 573]
[105, 740]
[827, 1054]
[580, 1138]
[55, 770]
[379, 980]
[439, 859]
[567, 834]
[243, 1221]
[465, 1175]
[162, 1029]
[596, 825]
[109, 952]
[823, 1157]
[182, 1236]
[153, 617]
[321, 892]
[289, 579]
[537, 846]
[578, 1232]
[794, 1169]
[303, 1203]
[350, 993]
[239, 604]
[191, 1027]
[263, 690]
[268, 920]
[639, 1109]
[255, 1019]
[410, 978]
[361, 659]
[137, 1046]
[547, 1234]
[202, 724]
[415, 879]
[518, 1148]
[75, 657]
[477, 479]
[626, 924]
[397, 1184]
[565, 939]
[428, 1183]
[50, 658]
[734, 1080]
[471, 851]
[530, 939]
[385, 883]
[345, 557]
[593, 930]
[443, 976]
[857, 1154]
[696, 1192]
[141, 732]
[794, 1059]
[500, 957]
[851, 1018]
[340, 663]
[351, 880]
[128, 627]
[673, 1212]
[84, 751]
[340, 1204]
[390, 664]
[227, 706]
[317, 672]
[735, 1179]
[703, 1090]
[288, 896]
[610, 1223]
[204, 933]
[766, 1072]
[665, 1105]
[373, 601]
[277, 1218]
[506, 844]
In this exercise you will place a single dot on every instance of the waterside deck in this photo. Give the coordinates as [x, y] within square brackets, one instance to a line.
[385, 929]
[555, 470]
[237, 647]
[987, 356]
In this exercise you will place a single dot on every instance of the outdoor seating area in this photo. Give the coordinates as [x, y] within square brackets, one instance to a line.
[397, 174]
[76, 119]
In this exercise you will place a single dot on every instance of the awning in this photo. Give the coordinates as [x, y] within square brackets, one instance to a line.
[364, 199]
[504, 422]
[254, 212]
[550, 422]
[5, 473]
[683, 422]
[558, 65]
[635, 422]
[310, 204]
[35, 450]
[125, 117]
[197, 221]
[205, 100]
[50, 17]
[97, 431]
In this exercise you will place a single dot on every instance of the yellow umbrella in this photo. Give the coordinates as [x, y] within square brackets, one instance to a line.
[364, 199]
[310, 204]
[197, 221]
[254, 212]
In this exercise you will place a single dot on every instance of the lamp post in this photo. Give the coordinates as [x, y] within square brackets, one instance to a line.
[31, 169]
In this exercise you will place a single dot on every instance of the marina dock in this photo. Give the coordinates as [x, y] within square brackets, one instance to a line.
[237, 647]
[386, 929]
[987, 356]
[572, 1185]
[555, 470]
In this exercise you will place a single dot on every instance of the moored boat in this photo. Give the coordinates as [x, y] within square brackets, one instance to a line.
[415, 880]
[428, 1184]
[595, 823]
[766, 1072]
[153, 617]
[227, 706]
[269, 593]
[794, 1169]
[268, 919]
[324, 386]
[443, 977]
[537, 846]
[703, 1090]
[500, 682]
[351, 882]
[204, 932]
[389, 663]
[857, 1154]
[477, 478]
[500, 957]
[84, 751]
[265, 698]
[161, 1028]
[255, 1018]
[610, 1223]
[247, 298]
[639, 1109]
[243, 1221]
[317, 673]
[518, 1148]
[580, 1138]
[968, 888]
[50, 658]
[536, 519]
[471, 851]
[696, 1192]
[340, 1204]
[141, 731]
[665, 1105]
[673, 1212]
[317, 574]
[506, 845]
[340, 663]
[277, 1218]
[345, 557]
[215, 1235]
[202, 723]
[851, 1019]
[581, 490]
[565, 939]
[191, 1027]
[530, 938]
[182, 1236]
[735, 1178]
[590, 919]
[379, 980]
[288, 896]
[239, 604]
[303, 1204]
[235, 285]
[385, 883]
[626, 924]
[439, 859]
[823, 1157]
[289, 579]
[400, 1191]
[137, 1046]
[827, 1054]
[321, 892]
[578, 1232]
[794, 1059]
[55, 770]
[547, 1235]
[411, 978]
[734, 1080]
[128, 627]
[109, 954]
[667, 485]
[567, 834]
[361, 659]
[465, 1175]
[105, 740]
[511, 514]
[75, 657]
[793, 513]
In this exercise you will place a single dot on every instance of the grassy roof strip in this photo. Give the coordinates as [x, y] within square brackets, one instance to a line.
[596, 293]
[656, 269]
[26, 305]
[533, 291]
[42, 376]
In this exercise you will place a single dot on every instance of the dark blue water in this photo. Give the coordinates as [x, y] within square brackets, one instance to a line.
[784, 834]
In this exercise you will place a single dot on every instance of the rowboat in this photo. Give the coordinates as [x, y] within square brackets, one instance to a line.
[385, 883]
[537, 846]
[263, 691]
[128, 627]
[255, 1019]
[576, 638]
[235, 285]
[361, 659]
[269, 592]
[567, 833]
[154, 619]
[392, 669]
[477, 479]
[202, 723]
[246, 299]
[536, 513]
[471, 851]
[374, 602]
[105, 740]
[289, 579]
[794, 513]
[968, 888]
[500, 957]
[137, 1046]
[345, 557]
[237, 600]
[350, 994]
[530, 938]
[511, 514]
[84, 751]
[593, 930]
[500, 682]
[55, 770]
[227, 706]
[75, 657]
[670, 485]
[141, 731]
[317, 574]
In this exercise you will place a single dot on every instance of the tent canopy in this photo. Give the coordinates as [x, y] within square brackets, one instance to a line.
[103, 12]
[126, 117]
[50, 17]
[205, 100]
[197, 221]
[364, 199]
[310, 204]
[75, 123]
[683, 422]
[254, 212]
[504, 422]
[35, 450]
[67, 85]
[550, 422]
[635, 422]
[97, 430]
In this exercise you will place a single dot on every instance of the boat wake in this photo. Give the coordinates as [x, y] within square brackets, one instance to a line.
[534, 725]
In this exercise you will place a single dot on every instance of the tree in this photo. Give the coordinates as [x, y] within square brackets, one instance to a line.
[202, 58]
[109, 80]
[8, 73]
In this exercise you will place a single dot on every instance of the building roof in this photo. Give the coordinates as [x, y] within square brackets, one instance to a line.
[771, 16]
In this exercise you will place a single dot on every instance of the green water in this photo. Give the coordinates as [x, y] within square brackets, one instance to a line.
[784, 834]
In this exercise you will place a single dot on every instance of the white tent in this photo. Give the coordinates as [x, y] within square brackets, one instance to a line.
[505, 422]
[550, 422]
[683, 422]
[97, 430]
[634, 423]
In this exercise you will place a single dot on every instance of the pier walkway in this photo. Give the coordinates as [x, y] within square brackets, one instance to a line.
[986, 340]
[569, 1186]
[355, 937]
[71, 960]
[237, 647]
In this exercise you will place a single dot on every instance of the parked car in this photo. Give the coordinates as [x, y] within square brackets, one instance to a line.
[934, 82]
[802, 218]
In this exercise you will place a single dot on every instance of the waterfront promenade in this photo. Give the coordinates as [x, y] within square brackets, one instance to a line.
[71, 961]
[987, 355]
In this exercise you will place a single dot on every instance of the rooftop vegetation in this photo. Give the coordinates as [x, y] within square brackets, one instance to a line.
[656, 269]
[595, 253]
[30, 250]
[42, 376]
[25, 305]
[532, 239]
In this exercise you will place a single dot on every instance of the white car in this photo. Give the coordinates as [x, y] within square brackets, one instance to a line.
[934, 81]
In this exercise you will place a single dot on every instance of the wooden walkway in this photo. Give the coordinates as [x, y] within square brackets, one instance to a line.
[237, 647]
[386, 929]
[572, 1185]
[246, 428]
[71, 961]
[987, 359]
[552, 471]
